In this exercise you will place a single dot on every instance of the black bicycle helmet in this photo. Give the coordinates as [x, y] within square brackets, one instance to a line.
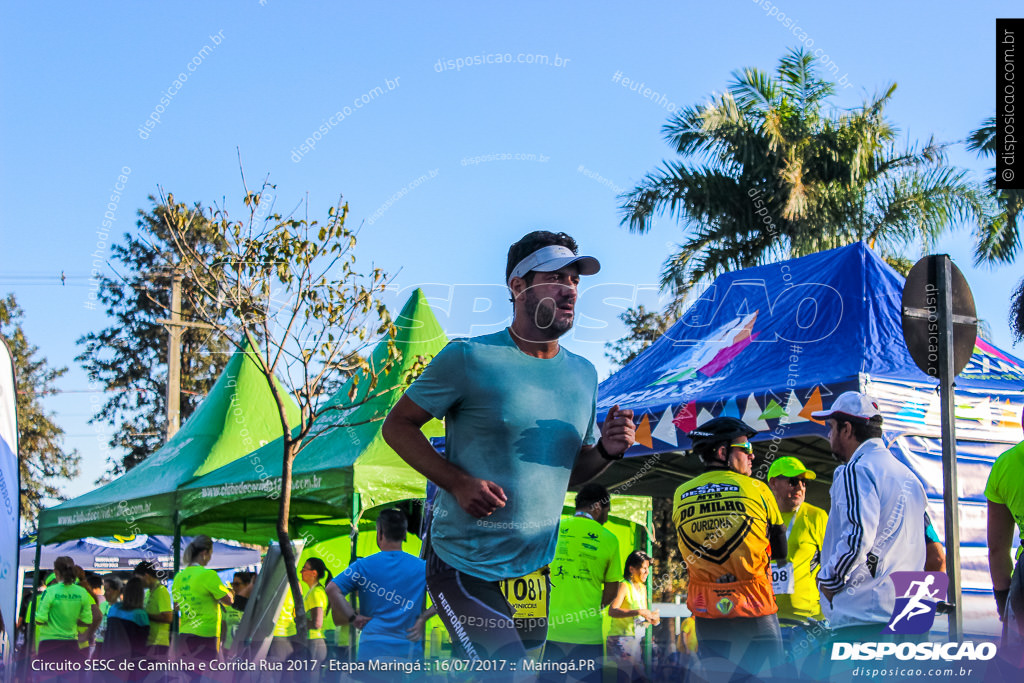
[720, 429]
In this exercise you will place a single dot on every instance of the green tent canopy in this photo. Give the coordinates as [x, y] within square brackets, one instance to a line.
[238, 416]
[344, 468]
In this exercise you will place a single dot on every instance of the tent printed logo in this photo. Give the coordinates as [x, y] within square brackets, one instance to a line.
[708, 357]
[917, 594]
[988, 362]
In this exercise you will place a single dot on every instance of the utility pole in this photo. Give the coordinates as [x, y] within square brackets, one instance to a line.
[175, 327]
[174, 357]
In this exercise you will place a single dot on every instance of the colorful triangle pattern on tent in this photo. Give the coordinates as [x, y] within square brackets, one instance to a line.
[1008, 416]
[813, 404]
[643, 432]
[731, 409]
[773, 411]
[752, 415]
[686, 418]
[793, 410]
[665, 430]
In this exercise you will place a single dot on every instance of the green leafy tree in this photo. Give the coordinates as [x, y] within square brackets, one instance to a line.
[43, 462]
[771, 170]
[129, 358]
[644, 328]
[291, 285]
[1000, 234]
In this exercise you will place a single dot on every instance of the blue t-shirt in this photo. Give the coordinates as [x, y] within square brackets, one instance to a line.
[137, 616]
[520, 422]
[391, 586]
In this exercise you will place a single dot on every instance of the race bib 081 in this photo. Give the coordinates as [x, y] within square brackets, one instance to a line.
[527, 595]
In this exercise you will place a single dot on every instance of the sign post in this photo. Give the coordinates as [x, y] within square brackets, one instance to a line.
[940, 327]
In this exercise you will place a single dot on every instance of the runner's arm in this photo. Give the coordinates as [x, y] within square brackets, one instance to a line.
[402, 431]
[615, 610]
[340, 607]
[316, 618]
[1000, 546]
[611, 589]
[777, 540]
[934, 553]
[858, 496]
[617, 434]
[94, 625]
[418, 629]
[934, 557]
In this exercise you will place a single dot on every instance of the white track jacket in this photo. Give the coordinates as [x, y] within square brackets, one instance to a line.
[875, 527]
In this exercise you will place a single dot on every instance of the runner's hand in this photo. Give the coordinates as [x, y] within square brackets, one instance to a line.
[479, 497]
[618, 431]
[360, 621]
[417, 631]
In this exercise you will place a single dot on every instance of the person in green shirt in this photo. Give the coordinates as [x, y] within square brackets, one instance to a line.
[158, 607]
[1005, 494]
[197, 592]
[63, 607]
[584, 579]
[314, 573]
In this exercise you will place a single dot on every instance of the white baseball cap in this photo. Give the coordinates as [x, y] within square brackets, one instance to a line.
[851, 404]
[554, 257]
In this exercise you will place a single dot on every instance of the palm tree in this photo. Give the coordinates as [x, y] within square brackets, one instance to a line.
[1000, 235]
[1017, 312]
[771, 170]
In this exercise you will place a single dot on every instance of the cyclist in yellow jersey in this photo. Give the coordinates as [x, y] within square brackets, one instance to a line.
[729, 528]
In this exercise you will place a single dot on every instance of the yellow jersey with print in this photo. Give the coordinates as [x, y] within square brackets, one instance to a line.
[721, 520]
[805, 536]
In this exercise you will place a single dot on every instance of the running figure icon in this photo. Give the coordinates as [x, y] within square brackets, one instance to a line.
[917, 593]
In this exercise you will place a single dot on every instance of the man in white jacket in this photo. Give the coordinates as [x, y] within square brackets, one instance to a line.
[875, 524]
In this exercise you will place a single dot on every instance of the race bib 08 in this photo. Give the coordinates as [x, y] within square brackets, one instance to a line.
[782, 578]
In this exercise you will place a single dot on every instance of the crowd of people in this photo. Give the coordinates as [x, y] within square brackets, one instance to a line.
[772, 579]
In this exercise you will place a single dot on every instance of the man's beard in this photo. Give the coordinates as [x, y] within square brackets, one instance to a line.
[543, 313]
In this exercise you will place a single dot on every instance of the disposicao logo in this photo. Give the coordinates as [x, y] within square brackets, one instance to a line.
[917, 594]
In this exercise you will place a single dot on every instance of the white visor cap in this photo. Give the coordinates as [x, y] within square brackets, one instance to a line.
[853, 404]
[554, 257]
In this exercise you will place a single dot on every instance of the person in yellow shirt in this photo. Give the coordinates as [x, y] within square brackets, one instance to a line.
[794, 580]
[630, 617]
[197, 592]
[281, 646]
[314, 573]
[158, 607]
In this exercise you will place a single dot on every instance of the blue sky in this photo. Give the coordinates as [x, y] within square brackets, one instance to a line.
[79, 80]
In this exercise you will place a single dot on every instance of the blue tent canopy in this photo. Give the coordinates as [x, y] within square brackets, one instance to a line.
[123, 553]
[774, 343]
